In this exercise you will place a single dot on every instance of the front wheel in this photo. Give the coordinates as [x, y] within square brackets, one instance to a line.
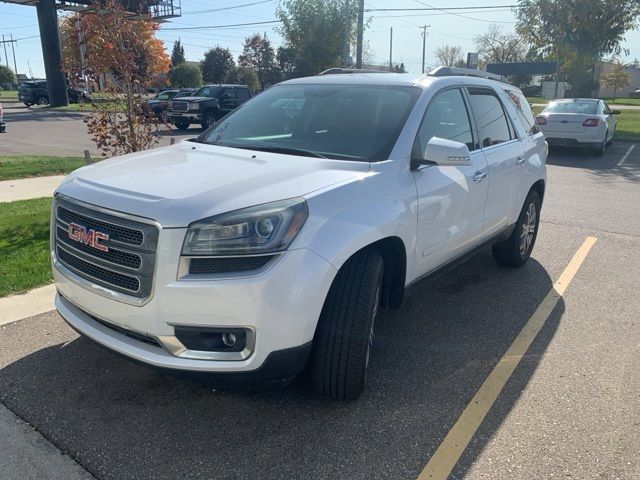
[516, 250]
[342, 344]
[182, 125]
[43, 101]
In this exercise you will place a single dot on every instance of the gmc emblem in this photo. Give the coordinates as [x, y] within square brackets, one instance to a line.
[92, 238]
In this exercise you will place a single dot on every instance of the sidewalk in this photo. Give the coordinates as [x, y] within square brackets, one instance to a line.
[25, 188]
[27, 455]
[34, 302]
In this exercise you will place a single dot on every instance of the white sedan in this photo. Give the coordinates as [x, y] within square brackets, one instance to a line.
[578, 122]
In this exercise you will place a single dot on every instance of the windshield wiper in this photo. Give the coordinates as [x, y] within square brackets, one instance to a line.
[280, 149]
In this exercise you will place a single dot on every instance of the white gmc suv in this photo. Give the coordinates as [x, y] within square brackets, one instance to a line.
[270, 242]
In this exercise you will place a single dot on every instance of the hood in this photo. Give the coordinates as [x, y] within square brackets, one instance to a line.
[189, 181]
[192, 99]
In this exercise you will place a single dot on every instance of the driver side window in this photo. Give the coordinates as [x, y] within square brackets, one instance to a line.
[446, 117]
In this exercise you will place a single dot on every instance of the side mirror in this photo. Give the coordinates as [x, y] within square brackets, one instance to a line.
[615, 112]
[444, 152]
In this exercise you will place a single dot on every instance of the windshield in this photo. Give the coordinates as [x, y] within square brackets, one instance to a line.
[207, 92]
[588, 107]
[353, 122]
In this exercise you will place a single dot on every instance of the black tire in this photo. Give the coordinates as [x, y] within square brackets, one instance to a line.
[610, 142]
[209, 119]
[599, 150]
[512, 252]
[342, 342]
[182, 125]
[43, 100]
[28, 104]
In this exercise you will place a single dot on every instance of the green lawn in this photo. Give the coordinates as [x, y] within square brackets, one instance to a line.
[623, 101]
[24, 245]
[628, 125]
[8, 95]
[22, 166]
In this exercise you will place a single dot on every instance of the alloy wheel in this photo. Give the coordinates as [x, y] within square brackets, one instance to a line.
[528, 229]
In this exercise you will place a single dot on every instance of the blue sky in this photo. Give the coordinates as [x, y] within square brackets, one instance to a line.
[445, 28]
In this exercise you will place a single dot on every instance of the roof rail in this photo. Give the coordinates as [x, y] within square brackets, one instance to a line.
[466, 72]
[331, 71]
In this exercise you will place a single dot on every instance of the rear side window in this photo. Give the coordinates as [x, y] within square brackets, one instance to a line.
[446, 117]
[228, 91]
[492, 122]
[243, 93]
[524, 112]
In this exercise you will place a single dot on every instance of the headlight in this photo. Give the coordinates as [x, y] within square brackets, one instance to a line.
[194, 106]
[266, 228]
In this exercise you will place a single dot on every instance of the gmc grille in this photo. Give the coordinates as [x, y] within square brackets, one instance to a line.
[179, 106]
[127, 265]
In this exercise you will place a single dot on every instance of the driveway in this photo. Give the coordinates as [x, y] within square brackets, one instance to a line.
[570, 409]
[50, 132]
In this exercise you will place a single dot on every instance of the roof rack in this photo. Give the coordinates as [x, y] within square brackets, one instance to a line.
[466, 72]
[331, 71]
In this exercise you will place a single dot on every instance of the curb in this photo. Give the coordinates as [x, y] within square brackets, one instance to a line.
[34, 302]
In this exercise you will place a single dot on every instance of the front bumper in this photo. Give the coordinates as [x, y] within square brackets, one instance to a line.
[180, 117]
[280, 305]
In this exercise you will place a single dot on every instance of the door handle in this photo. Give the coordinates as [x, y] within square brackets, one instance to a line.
[520, 160]
[479, 176]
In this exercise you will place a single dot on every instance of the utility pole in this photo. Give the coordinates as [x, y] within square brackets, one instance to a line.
[557, 75]
[6, 58]
[347, 35]
[360, 34]
[13, 50]
[424, 43]
[391, 49]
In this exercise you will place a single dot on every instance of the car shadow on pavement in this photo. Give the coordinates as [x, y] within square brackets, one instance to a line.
[120, 420]
[606, 167]
[24, 114]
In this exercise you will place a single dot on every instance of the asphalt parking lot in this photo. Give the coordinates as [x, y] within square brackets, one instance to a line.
[571, 409]
[65, 132]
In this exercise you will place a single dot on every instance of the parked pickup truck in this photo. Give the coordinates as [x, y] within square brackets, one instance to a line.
[3, 124]
[207, 105]
[270, 243]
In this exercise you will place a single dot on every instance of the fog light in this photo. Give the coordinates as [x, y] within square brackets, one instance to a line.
[229, 339]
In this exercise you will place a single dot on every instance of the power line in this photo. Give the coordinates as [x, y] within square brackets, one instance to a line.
[458, 15]
[226, 8]
[430, 8]
[268, 22]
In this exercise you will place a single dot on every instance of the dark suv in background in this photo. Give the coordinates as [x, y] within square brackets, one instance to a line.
[159, 104]
[208, 105]
[35, 92]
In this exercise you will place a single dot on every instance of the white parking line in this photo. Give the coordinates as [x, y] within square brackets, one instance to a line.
[626, 155]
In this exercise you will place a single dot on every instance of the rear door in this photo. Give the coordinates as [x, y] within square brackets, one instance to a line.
[228, 99]
[504, 154]
[609, 118]
[243, 94]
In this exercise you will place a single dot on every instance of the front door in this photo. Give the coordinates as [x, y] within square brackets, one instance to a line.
[451, 200]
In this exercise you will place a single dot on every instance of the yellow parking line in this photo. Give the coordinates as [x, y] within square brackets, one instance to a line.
[454, 444]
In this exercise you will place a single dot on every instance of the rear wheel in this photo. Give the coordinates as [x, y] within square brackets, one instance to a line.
[344, 335]
[182, 125]
[600, 149]
[516, 250]
[43, 101]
